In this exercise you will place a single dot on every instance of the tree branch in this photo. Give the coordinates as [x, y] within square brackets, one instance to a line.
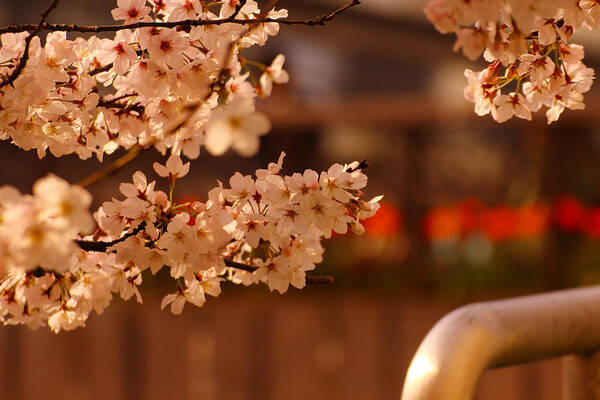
[98, 70]
[320, 20]
[240, 266]
[23, 61]
[103, 246]
[238, 7]
[327, 279]
[138, 108]
[112, 168]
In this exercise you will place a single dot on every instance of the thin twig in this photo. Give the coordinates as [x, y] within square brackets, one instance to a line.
[112, 168]
[327, 279]
[103, 246]
[320, 20]
[270, 5]
[240, 266]
[23, 61]
[237, 10]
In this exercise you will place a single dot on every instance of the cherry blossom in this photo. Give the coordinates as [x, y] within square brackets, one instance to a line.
[263, 229]
[130, 10]
[236, 125]
[174, 168]
[64, 77]
[508, 105]
[176, 90]
[273, 74]
[529, 41]
[184, 9]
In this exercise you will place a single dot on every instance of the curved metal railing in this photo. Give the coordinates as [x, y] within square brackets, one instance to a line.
[481, 336]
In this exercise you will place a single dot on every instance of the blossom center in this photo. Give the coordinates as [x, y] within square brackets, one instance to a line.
[165, 45]
[132, 12]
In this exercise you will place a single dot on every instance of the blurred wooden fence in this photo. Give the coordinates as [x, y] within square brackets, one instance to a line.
[312, 345]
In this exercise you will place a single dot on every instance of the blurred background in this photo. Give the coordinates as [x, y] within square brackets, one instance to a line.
[472, 211]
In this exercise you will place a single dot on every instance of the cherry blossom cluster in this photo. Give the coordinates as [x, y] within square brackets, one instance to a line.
[38, 253]
[152, 86]
[532, 63]
[265, 229]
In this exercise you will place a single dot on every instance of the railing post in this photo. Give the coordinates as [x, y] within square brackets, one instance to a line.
[581, 377]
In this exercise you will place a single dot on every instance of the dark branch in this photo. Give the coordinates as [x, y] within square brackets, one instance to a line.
[112, 168]
[240, 266]
[98, 70]
[327, 279]
[237, 10]
[23, 61]
[103, 246]
[138, 108]
[320, 20]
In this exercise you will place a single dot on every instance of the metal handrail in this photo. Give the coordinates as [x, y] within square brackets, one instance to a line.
[481, 336]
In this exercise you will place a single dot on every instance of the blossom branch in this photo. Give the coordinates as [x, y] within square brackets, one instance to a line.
[237, 10]
[215, 86]
[532, 66]
[320, 20]
[218, 83]
[250, 268]
[281, 219]
[23, 61]
[99, 70]
[138, 108]
[103, 246]
[240, 266]
[104, 61]
[201, 244]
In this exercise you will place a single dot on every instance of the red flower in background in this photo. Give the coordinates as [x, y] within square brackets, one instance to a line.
[499, 223]
[591, 222]
[470, 215]
[442, 223]
[387, 222]
[569, 214]
[533, 220]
